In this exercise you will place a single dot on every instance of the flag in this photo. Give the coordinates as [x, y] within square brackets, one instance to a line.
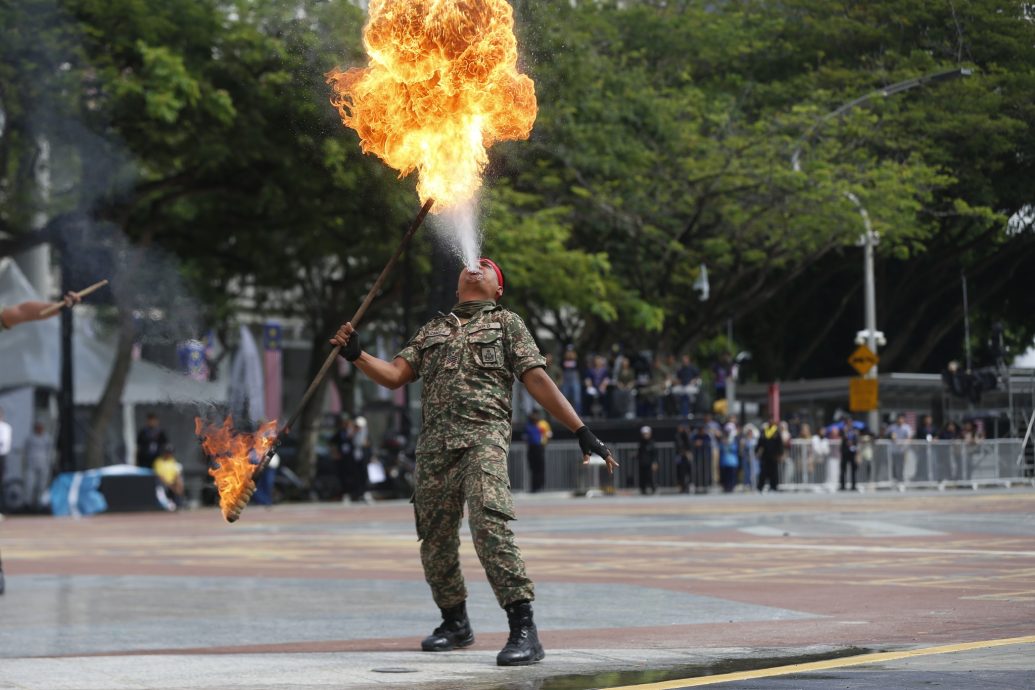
[701, 284]
[193, 361]
[272, 365]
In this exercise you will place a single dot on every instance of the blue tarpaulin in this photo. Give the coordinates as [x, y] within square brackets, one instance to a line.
[79, 493]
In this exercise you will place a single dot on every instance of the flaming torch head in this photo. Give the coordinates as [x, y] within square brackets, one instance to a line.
[442, 87]
[233, 460]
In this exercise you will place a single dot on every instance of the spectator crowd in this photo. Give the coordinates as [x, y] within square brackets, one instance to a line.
[623, 385]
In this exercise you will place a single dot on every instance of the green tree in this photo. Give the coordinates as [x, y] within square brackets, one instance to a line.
[668, 129]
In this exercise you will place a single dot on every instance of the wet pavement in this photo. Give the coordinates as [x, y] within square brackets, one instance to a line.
[630, 590]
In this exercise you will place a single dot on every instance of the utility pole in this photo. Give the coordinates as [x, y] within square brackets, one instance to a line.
[869, 242]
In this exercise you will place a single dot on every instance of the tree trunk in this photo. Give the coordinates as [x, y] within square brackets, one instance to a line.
[108, 405]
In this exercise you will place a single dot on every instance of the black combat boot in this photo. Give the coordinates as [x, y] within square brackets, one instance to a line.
[454, 632]
[523, 644]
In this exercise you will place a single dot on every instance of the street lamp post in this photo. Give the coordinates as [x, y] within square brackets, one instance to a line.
[869, 239]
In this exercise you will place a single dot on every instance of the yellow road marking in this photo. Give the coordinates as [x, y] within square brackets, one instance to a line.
[828, 664]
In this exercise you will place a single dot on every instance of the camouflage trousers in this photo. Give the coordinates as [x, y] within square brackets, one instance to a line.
[446, 481]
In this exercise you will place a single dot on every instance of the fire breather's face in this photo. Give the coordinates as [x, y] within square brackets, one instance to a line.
[480, 284]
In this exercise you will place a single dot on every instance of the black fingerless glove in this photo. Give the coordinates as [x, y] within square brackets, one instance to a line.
[352, 351]
[590, 444]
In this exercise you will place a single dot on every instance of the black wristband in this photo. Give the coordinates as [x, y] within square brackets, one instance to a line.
[590, 444]
[351, 351]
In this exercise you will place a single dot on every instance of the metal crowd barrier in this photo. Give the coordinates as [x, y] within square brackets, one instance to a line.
[919, 463]
[881, 464]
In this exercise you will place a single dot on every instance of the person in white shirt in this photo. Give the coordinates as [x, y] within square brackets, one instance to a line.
[824, 462]
[5, 450]
[901, 434]
[39, 455]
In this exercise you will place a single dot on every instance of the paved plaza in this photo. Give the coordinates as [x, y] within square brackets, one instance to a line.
[746, 591]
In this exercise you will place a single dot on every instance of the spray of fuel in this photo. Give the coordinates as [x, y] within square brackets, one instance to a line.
[458, 228]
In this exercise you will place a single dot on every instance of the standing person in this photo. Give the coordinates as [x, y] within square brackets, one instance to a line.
[721, 372]
[343, 453]
[150, 441]
[947, 455]
[545, 430]
[5, 450]
[703, 441]
[39, 463]
[821, 455]
[571, 378]
[598, 379]
[469, 360]
[623, 393]
[684, 457]
[646, 392]
[925, 431]
[849, 450]
[665, 370]
[900, 434]
[689, 378]
[770, 450]
[749, 457]
[362, 458]
[536, 451]
[647, 461]
[265, 483]
[729, 459]
[805, 471]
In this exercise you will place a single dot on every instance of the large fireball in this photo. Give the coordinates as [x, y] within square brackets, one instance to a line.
[442, 86]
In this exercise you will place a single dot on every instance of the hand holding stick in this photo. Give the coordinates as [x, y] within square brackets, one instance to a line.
[72, 298]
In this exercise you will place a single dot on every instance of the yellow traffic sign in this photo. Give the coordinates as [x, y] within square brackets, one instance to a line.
[863, 359]
[862, 395]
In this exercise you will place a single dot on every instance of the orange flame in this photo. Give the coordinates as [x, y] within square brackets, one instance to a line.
[234, 457]
[442, 86]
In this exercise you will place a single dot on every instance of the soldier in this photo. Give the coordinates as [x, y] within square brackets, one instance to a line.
[469, 360]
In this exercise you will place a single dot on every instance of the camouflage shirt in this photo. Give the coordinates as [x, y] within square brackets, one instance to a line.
[469, 373]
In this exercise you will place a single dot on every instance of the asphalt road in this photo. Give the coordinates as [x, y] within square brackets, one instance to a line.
[743, 591]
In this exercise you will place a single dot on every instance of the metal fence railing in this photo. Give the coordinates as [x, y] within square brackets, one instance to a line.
[881, 464]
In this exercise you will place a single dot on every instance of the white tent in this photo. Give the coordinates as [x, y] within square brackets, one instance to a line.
[30, 353]
[30, 356]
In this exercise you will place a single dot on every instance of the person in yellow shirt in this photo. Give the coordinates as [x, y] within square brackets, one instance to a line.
[545, 430]
[170, 473]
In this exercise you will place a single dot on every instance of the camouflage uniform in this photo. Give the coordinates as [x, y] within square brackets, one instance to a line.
[469, 373]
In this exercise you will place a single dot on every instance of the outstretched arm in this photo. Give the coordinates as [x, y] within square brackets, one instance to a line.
[545, 392]
[31, 311]
[392, 374]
